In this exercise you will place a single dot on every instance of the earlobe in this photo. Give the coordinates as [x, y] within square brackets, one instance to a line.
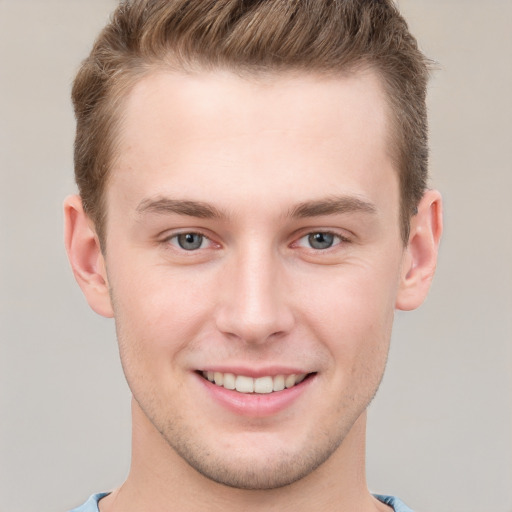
[421, 253]
[85, 256]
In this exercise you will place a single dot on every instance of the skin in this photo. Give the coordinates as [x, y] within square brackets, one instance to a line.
[255, 166]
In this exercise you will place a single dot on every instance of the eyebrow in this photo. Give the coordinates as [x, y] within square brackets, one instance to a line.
[165, 205]
[328, 206]
[332, 206]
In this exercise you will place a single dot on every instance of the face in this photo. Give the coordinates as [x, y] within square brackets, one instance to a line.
[253, 256]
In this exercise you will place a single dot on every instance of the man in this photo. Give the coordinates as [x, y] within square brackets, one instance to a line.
[252, 210]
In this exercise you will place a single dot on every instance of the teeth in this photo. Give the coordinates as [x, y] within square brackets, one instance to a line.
[300, 378]
[290, 381]
[261, 385]
[218, 378]
[229, 381]
[279, 383]
[244, 384]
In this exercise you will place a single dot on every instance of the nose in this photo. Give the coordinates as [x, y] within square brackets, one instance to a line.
[254, 304]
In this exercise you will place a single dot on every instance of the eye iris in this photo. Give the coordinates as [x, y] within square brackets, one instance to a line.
[321, 240]
[190, 241]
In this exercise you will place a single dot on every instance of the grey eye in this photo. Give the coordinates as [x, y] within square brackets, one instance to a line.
[321, 240]
[190, 241]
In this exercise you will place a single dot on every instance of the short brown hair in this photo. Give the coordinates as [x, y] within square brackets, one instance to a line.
[327, 36]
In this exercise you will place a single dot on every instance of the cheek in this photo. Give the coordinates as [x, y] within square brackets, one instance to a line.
[157, 313]
[351, 309]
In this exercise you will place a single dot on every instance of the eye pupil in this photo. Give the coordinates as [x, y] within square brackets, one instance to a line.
[321, 240]
[190, 241]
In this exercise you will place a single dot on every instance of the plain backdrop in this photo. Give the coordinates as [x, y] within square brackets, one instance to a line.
[440, 429]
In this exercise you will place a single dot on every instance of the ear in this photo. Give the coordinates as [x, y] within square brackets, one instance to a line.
[420, 257]
[85, 256]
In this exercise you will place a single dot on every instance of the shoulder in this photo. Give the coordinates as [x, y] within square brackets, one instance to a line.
[91, 505]
[392, 501]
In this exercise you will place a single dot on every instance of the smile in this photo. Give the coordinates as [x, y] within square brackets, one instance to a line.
[263, 385]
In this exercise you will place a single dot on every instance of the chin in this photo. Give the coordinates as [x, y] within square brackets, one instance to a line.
[279, 471]
[254, 466]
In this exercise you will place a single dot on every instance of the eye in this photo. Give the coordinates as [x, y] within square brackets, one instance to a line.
[189, 241]
[320, 240]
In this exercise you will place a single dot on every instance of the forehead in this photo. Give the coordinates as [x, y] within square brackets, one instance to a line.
[205, 133]
[308, 101]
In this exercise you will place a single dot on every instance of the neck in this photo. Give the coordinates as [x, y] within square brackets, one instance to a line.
[160, 480]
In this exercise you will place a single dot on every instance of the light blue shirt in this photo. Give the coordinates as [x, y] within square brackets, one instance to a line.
[91, 505]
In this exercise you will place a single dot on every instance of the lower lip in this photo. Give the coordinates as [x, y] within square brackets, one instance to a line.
[256, 404]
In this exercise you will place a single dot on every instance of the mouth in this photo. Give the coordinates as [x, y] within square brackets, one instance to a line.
[259, 385]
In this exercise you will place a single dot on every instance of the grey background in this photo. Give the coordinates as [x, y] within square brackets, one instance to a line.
[440, 432]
